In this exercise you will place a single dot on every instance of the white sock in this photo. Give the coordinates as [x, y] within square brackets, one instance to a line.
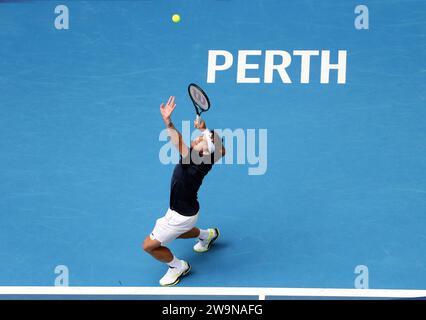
[204, 234]
[175, 263]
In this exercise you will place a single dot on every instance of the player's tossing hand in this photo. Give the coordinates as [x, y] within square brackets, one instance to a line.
[167, 110]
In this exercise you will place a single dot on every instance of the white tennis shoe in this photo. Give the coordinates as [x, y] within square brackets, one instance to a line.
[173, 275]
[205, 244]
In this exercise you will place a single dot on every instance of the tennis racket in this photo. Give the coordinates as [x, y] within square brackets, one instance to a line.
[199, 99]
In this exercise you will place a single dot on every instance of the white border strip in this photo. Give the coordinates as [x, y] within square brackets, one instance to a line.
[214, 291]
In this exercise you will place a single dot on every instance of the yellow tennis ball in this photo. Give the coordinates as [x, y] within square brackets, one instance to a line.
[176, 18]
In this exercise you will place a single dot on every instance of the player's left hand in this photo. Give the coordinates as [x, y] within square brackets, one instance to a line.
[167, 110]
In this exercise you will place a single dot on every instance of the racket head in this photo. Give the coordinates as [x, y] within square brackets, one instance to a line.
[199, 98]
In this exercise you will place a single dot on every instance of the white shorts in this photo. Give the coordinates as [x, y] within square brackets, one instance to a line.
[171, 226]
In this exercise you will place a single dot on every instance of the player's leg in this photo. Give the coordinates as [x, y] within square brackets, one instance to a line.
[167, 229]
[177, 268]
[193, 233]
[155, 249]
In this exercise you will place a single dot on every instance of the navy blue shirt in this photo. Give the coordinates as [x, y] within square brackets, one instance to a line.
[187, 178]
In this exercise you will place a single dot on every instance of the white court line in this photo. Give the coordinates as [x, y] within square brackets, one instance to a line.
[214, 291]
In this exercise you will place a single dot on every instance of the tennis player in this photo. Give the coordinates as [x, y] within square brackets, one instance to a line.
[179, 222]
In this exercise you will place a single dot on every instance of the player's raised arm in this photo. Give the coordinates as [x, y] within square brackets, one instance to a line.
[175, 136]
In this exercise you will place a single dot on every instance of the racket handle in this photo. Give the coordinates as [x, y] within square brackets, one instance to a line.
[198, 118]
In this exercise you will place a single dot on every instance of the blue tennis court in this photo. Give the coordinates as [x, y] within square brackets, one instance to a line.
[341, 182]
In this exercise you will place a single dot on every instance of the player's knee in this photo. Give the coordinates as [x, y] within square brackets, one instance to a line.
[148, 245]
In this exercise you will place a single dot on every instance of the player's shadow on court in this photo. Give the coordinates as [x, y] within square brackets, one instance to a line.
[198, 260]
